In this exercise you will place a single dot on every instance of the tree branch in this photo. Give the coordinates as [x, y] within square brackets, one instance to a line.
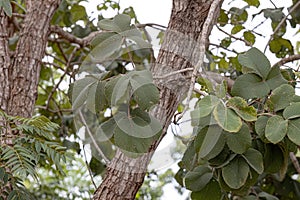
[288, 59]
[92, 138]
[202, 41]
[232, 36]
[295, 162]
[281, 23]
[71, 38]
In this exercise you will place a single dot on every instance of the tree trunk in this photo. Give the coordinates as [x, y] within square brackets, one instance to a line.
[125, 175]
[20, 70]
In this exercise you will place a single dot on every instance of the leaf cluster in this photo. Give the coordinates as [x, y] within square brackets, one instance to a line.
[239, 139]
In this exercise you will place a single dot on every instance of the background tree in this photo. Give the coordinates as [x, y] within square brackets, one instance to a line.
[237, 124]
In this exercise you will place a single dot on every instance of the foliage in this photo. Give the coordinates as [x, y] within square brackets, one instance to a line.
[34, 146]
[242, 134]
[236, 138]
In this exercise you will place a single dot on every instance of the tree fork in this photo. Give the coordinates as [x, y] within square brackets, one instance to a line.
[125, 175]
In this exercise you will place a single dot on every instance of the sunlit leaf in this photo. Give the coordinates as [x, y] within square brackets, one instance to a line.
[293, 131]
[276, 129]
[240, 106]
[292, 111]
[227, 118]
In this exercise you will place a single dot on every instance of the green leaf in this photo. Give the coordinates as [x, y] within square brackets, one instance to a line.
[105, 131]
[275, 14]
[250, 86]
[292, 111]
[237, 28]
[118, 24]
[211, 191]
[240, 106]
[138, 123]
[221, 89]
[255, 3]
[205, 107]
[276, 129]
[235, 173]
[282, 96]
[293, 131]
[239, 142]
[6, 5]
[260, 125]
[80, 91]
[197, 179]
[254, 159]
[249, 37]
[275, 79]
[130, 144]
[78, 12]
[121, 91]
[256, 61]
[227, 118]
[189, 159]
[106, 48]
[146, 96]
[210, 141]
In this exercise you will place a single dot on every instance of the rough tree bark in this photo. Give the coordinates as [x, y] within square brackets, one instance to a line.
[20, 69]
[125, 175]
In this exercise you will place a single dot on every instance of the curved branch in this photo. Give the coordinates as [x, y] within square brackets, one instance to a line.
[71, 38]
[288, 59]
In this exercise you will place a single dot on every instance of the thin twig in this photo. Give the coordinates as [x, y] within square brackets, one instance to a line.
[202, 41]
[61, 78]
[288, 59]
[174, 73]
[295, 162]
[200, 92]
[71, 38]
[219, 46]
[89, 169]
[93, 139]
[153, 25]
[273, 4]
[232, 36]
[281, 23]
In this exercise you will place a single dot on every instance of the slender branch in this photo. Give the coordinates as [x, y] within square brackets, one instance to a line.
[71, 38]
[53, 111]
[232, 36]
[93, 139]
[295, 162]
[281, 23]
[174, 73]
[202, 41]
[288, 59]
[219, 46]
[200, 92]
[62, 77]
[89, 169]
[273, 4]
[153, 25]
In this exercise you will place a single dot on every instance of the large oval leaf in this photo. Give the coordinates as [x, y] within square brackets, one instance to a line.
[197, 179]
[205, 106]
[282, 96]
[276, 129]
[250, 86]
[292, 111]
[212, 143]
[227, 118]
[211, 191]
[254, 159]
[236, 172]
[256, 61]
[239, 142]
[293, 131]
